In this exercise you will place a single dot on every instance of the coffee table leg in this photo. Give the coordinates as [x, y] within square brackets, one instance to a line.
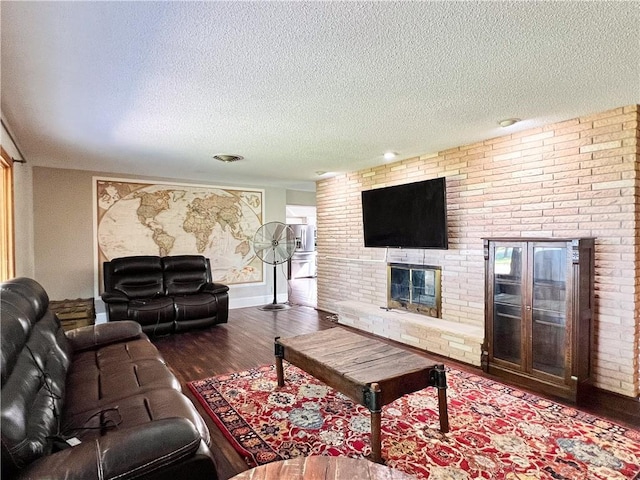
[376, 441]
[376, 414]
[279, 351]
[441, 385]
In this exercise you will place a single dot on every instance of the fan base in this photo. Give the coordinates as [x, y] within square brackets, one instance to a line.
[275, 306]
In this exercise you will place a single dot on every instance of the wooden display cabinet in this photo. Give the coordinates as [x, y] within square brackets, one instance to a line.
[538, 313]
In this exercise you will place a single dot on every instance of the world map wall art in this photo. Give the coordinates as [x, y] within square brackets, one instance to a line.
[136, 218]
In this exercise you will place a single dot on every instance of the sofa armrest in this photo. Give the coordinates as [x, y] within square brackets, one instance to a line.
[93, 336]
[215, 288]
[127, 453]
[114, 297]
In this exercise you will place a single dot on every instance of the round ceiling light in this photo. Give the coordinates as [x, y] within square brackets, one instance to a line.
[390, 155]
[507, 122]
[226, 158]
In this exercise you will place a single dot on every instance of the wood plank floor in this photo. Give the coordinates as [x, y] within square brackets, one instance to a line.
[247, 341]
[244, 342]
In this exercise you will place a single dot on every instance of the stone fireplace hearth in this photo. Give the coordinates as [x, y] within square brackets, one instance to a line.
[459, 341]
[415, 288]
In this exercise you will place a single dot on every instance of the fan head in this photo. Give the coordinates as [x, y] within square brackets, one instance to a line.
[274, 243]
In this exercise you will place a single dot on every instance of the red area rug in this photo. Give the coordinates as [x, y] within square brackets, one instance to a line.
[497, 432]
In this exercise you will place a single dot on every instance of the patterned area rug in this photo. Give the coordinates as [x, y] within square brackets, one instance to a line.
[497, 432]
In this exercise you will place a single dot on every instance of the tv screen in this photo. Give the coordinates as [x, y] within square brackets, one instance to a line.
[413, 215]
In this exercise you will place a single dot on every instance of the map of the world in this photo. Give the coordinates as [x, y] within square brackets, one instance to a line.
[163, 219]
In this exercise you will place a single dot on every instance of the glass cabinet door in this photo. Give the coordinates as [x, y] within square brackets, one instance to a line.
[549, 309]
[507, 307]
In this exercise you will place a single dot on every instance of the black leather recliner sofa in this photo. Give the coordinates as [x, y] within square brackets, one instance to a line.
[164, 294]
[106, 386]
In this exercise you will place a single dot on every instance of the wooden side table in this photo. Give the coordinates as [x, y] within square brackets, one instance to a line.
[322, 467]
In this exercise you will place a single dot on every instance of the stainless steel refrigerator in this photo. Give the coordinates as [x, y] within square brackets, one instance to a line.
[303, 261]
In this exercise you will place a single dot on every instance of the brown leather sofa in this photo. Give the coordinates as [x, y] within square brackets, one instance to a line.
[164, 294]
[96, 402]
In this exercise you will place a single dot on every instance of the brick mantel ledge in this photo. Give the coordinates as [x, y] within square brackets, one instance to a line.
[462, 342]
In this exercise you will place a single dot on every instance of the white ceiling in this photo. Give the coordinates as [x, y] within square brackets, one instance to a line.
[158, 88]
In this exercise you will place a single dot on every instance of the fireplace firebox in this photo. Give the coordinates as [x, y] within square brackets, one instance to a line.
[415, 288]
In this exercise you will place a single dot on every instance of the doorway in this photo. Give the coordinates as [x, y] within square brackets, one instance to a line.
[301, 268]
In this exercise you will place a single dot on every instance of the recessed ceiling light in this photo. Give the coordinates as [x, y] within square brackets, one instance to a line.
[390, 155]
[226, 158]
[320, 172]
[507, 122]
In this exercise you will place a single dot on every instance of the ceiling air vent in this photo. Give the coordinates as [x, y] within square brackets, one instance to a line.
[227, 158]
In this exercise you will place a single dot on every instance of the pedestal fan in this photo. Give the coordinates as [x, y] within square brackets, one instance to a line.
[274, 243]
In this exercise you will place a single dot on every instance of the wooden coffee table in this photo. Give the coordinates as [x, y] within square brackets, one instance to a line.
[369, 371]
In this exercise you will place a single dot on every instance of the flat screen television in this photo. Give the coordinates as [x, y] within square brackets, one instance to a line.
[413, 215]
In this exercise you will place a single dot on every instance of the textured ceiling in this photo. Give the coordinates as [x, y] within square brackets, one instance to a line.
[158, 88]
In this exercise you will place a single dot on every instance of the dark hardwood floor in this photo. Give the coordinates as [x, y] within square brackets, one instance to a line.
[247, 341]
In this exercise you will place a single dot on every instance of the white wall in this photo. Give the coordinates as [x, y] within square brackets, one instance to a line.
[23, 220]
[298, 197]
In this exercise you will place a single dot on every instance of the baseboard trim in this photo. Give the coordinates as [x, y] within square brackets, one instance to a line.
[257, 301]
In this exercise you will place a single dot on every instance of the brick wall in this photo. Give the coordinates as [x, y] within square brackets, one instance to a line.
[575, 178]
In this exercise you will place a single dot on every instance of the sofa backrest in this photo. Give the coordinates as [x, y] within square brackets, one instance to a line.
[136, 277]
[35, 358]
[185, 274]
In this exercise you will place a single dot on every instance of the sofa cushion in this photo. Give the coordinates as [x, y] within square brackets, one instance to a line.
[164, 449]
[115, 371]
[31, 292]
[199, 305]
[89, 387]
[33, 385]
[132, 411]
[117, 353]
[16, 327]
[185, 274]
[94, 336]
[151, 311]
[136, 277]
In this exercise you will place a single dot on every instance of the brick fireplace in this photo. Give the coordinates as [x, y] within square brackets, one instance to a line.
[578, 177]
[412, 314]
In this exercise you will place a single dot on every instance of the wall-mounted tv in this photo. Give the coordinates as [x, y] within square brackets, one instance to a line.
[413, 215]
